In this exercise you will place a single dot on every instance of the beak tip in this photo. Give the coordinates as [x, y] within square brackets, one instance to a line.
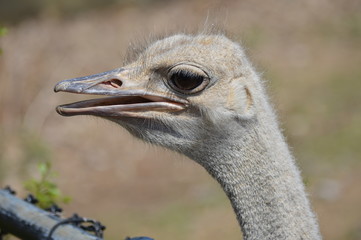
[59, 87]
[59, 110]
[62, 86]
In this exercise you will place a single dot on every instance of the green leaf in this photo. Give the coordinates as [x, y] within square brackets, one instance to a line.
[66, 199]
[3, 31]
[44, 168]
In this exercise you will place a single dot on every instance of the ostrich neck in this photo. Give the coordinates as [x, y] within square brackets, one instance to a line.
[259, 176]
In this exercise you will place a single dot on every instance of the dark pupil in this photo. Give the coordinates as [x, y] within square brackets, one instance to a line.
[186, 80]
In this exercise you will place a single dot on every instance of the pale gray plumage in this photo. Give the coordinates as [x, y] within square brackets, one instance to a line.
[200, 96]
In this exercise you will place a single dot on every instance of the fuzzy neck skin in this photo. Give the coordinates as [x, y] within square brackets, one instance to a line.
[253, 165]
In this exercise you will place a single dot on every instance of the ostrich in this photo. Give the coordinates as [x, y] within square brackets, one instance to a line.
[198, 95]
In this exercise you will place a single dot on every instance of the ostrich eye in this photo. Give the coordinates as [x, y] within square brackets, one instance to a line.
[188, 79]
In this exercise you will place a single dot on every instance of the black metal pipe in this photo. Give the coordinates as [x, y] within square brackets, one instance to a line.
[29, 222]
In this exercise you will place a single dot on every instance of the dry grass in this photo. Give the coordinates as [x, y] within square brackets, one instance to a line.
[308, 50]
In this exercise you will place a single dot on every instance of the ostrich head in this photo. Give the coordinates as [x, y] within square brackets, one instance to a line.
[199, 96]
[180, 91]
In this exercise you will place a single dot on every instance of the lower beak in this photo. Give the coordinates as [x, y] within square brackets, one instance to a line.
[124, 97]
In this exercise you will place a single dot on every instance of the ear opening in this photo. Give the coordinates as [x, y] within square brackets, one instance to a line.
[241, 101]
[249, 98]
[249, 106]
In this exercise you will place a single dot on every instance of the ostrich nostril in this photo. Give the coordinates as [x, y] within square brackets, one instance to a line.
[115, 83]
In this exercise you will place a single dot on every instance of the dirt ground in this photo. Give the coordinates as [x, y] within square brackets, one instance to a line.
[309, 52]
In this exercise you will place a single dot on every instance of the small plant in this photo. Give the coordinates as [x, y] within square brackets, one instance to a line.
[45, 189]
[3, 31]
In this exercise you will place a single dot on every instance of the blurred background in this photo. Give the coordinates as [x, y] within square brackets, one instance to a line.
[309, 52]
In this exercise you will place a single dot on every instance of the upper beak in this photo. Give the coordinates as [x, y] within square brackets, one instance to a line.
[126, 98]
[88, 84]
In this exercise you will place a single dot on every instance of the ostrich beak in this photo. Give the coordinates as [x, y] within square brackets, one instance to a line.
[124, 97]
